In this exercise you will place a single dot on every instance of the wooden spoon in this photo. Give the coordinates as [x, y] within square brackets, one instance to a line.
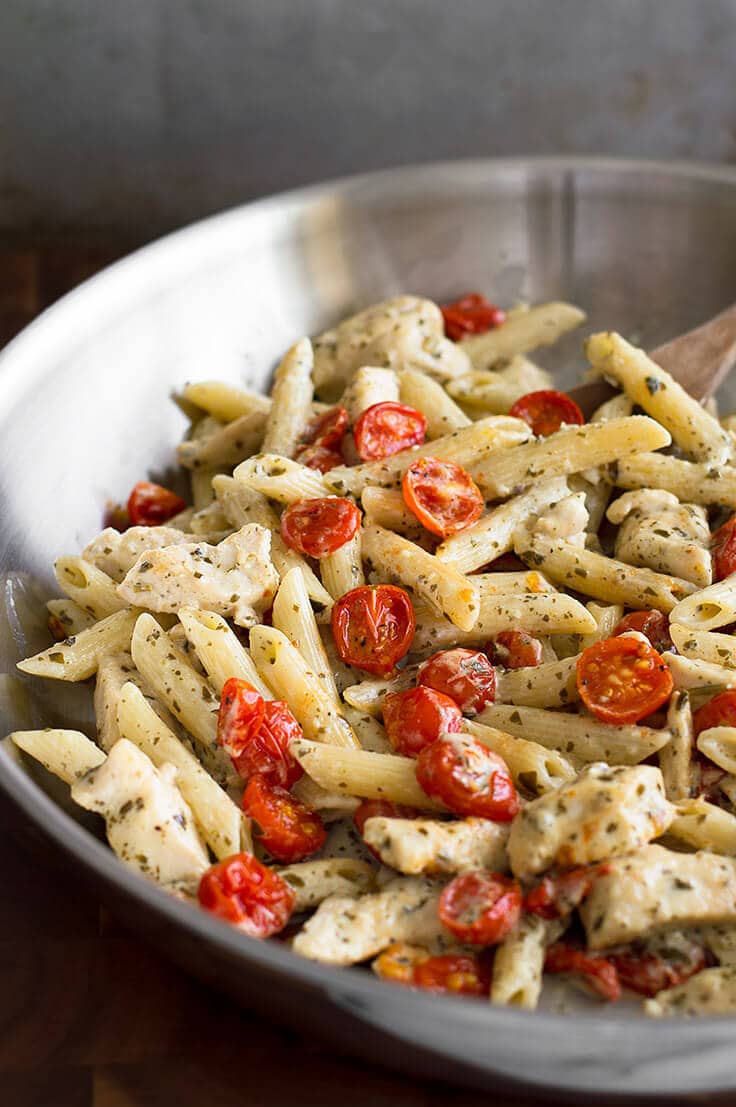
[699, 359]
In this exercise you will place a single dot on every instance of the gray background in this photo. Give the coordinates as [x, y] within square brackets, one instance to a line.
[125, 118]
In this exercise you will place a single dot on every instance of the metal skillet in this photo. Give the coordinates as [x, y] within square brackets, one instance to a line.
[85, 411]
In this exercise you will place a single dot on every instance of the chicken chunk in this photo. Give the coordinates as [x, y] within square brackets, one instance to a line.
[117, 553]
[432, 846]
[657, 531]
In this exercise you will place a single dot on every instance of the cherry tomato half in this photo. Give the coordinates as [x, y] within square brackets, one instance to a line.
[514, 649]
[444, 498]
[263, 749]
[467, 676]
[149, 504]
[248, 894]
[480, 908]
[321, 526]
[240, 716]
[468, 778]
[327, 430]
[319, 458]
[654, 625]
[471, 314]
[723, 548]
[558, 895]
[649, 973]
[545, 411]
[720, 711]
[621, 680]
[416, 717]
[384, 429]
[285, 826]
[597, 971]
[373, 627]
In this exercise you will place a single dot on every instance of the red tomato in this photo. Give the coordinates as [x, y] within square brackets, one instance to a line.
[720, 711]
[480, 908]
[649, 973]
[514, 649]
[327, 430]
[471, 314]
[384, 429]
[451, 973]
[240, 717]
[149, 505]
[444, 498]
[283, 825]
[547, 410]
[385, 809]
[265, 749]
[319, 527]
[373, 627]
[416, 717]
[467, 676]
[557, 896]
[468, 778]
[723, 547]
[319, 458]
[654, 625]
[248, 894]
[597, 971]
[621, 680]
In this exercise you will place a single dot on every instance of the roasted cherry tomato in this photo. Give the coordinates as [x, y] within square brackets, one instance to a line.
[480, 908]
[723, 547]
[327, 430]
[621, 680]
[597, 971]
[373, 627]
[149, 505]
[468, 778]
[319, 527]
[649, 973]
[248, 894]
[451, 973]
[467, 676]
[384, 429]
[384, 809]
[720, 711]
[444, 498]
[514, 649]
[654, 625]
[319, 458]
[241, 713]
[558, 895]
[547, 410]
[285, 826]
[416, 717]
[264, 748]
[471, 314]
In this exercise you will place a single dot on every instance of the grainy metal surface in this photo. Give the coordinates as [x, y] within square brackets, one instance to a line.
[84, 403]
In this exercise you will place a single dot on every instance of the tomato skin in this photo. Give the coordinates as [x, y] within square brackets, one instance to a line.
[285, 826]
[480, 908]
[448, 974]
[415, 718]
[597, 971]
[545, 411]
[262, 749]
[654, 625]
[649, 973]
[471, 314]
[328, 429]
[723, 549]
[559, 895]
[240, 716]
[319, 458]
[442, 495]
[467, 676]
[149, 504]
[468, 778]
[318, 527]
[373, 627]
[244, 892]
[386, 428]
[720, 711]
[622, 680]
[514, 649]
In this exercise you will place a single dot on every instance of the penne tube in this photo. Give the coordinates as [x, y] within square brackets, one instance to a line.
[512, 584]
[385, 507]
[330, 806]
[581, 737]
[293, 679]
[114, 671]
[354, 772]
[535, 768]
[702, 825]
[482, 439]
[569, 450]
[78, 657]
[88, 586]
[497, 391]
[675, 758]
[219, 650]
[292, 614]
[68, 754]
[281, 479]
[313, 881]
[493, 534]
[522, 332]
[225, 447]
[369, 385]
[719, 744]
[342, 570]
[446, 590]
[518, 963]
[420, 391]
[344, 674]
[691, 674]
[697, 432]
[371, 734]
[704, 645]
[221, 823]
[68, 617]
[202, 491]
[709, 608]
[225, 402]
[691, 482]
[291, 401]
[551, 684]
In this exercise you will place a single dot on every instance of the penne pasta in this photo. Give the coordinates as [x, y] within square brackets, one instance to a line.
[539, 326]
[291, 401]
[78, 657]
[90, 588]
[281, 479]
[225, 402]
[709, 608]
[675, 758]
[420, 391]
[292, 614]
[68, 754]
[691, 482]
[343, 570]
[534, 768]
[219, 650]
[704, 645]
[354, 772]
